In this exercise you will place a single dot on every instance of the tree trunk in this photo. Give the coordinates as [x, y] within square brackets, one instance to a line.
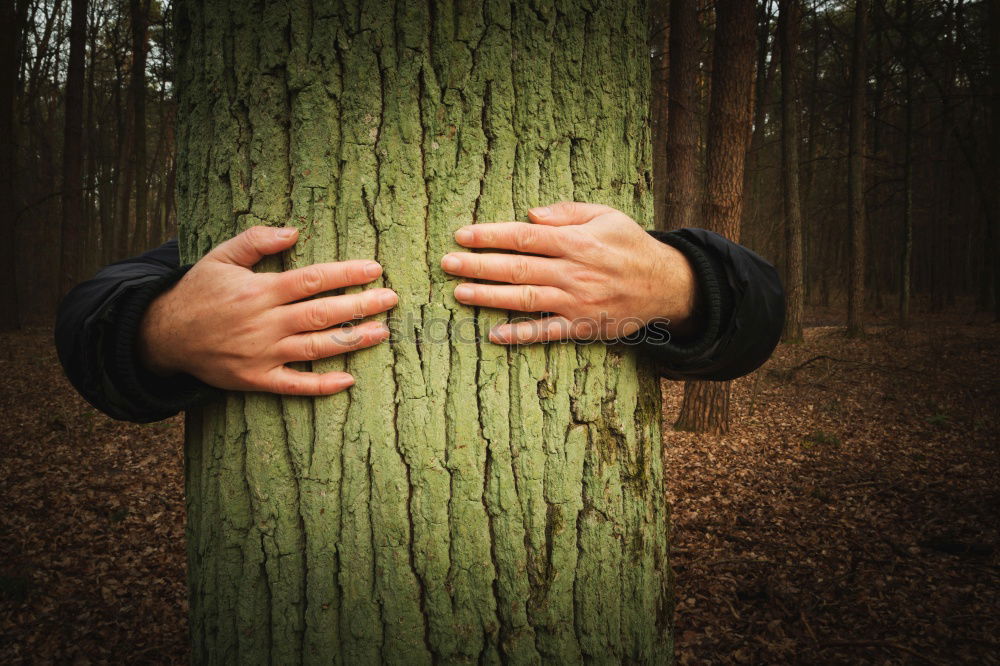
[139, 18]
[790, 15]
[682, 117]
[74, 232]
[12, 22]
[704, 408]
[906, 258]
[993, 165]
[463, 502]
[856, 174]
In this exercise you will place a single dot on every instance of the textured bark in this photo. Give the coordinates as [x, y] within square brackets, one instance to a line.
[73, 237]
[788, 27]
[856, 174]
[706, 408]
[464, 502]
[683, 132]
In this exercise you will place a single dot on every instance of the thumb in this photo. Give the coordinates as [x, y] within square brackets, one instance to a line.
[254, 244]
[567, 212]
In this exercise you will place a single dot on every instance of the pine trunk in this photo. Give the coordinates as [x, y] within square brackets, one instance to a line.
[856, 174]
[788, 26]
[74, 232]
[706, 408]
[464, 502]
[682, 118]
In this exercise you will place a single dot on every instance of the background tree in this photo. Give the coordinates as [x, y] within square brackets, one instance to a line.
[706, 404]
[856, 173]
[788, 27]
[684, 126]
[73, 213]
[464, 501]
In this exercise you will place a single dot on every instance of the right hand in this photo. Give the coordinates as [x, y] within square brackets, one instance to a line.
[235, 329]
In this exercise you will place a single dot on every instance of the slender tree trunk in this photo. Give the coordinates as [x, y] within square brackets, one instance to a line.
[788, 26]
[74, 231]
[12, 21]
[682, 118]
[994, 164]
[906, 256]
[729, 116]
[139, 19]
[464, 501]
[856, 174]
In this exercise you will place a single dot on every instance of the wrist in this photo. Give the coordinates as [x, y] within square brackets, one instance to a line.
[677, 295]
[153, 342]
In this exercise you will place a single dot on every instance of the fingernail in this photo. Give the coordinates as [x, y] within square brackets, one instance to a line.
[463, 236]
[286, 232]
[388, 298]
[450, 263]
[372, 269]
[544, 211]
[463, 292]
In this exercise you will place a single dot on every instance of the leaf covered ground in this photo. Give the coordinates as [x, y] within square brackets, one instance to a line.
[851, 515]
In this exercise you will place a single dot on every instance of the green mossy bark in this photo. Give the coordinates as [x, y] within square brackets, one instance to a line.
[464, 502]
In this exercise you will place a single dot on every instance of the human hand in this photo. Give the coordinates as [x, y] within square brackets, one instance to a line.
[235, 329]
[599, 275]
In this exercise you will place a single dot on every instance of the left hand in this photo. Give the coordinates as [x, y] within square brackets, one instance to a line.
[591, 267]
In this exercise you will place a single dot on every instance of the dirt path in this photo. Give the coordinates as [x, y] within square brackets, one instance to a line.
[852, 515]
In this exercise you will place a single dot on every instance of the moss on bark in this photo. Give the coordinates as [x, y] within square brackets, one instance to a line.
[464, 502]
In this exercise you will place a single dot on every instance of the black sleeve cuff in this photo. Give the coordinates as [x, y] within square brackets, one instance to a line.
[155, 397]
[744, 309]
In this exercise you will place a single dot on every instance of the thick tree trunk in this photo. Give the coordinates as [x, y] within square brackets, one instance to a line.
[788, 27]
[464, 501]
[681, 204]
[729, 116]
[74, 232]
[856, 174]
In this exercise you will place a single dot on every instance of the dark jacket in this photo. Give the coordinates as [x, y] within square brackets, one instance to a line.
[98, 321]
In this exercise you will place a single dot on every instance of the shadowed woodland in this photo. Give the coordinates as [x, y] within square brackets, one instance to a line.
[842, 505]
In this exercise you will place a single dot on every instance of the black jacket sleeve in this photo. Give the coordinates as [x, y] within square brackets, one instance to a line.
[742, 302]
[96, 331]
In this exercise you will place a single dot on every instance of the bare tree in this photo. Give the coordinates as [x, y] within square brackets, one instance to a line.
[706, 404]
[789, 18]
[73, 212]
[856, 174]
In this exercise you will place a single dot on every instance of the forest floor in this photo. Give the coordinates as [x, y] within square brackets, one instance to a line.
[852, 514]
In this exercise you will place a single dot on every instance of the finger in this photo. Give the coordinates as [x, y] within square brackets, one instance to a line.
[513, 268]
[334, 341]
[567, 212]
[537, 330]
[254, 244]
[518, 236]
[321, 313]
[294, 285]
[527, 298]
[286, 381]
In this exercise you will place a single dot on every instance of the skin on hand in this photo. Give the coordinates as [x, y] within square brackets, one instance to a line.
[236, 329]
[596, 273]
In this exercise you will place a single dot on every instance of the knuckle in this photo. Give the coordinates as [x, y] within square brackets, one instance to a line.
[317, 316]
[361, 304]
[529, 297]
[312, 350]
[525, 238]
[311, 280]
[519, 270]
